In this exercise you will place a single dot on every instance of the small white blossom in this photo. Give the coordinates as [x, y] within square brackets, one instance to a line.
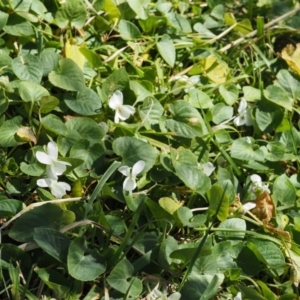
[257, 184]
[184, 82]
[54, 167]
[244, 117]
[123, 112]
[238, 296]
[248, 206]
[207, 168]
[130, 181]
[58, 189]
[158, 295]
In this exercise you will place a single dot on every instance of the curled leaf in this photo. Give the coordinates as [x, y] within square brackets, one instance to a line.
[26, 133]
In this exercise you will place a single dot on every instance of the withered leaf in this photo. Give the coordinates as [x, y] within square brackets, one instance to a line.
[265, 208]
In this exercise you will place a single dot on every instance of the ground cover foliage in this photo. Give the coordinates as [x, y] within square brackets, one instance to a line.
[149, 149]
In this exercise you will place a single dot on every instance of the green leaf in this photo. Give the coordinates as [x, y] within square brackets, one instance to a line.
[54, 124]
[133, 150]
[8, 130]
[251, 93]
[84, 264]
[53, 242]
[202, 287]
[186, 253]
[42, 216]
[245, 149]
[167, 246]
[17, 5]
[180, 23]
[138, 7]
[150, 112]
[18, 26]
[31, 169]
[121, 279]
[93, 58]
[167, 50]
[71, 13]
[187, 169]
[118, 80]
[3, 19]
[89, 154]
[158, 212]
[12, 256]
[226, 180]
[28, 67]
[142, 89]
[111, 9]
[274, 151]
[284, 191]
[30, 91]
[67, 76]
[10, 166]
[269, 254]
[278, 96]
[289, 138]
[151, 23]
[49, 60]
[10, 207]
[229, 93]
[266, 291]
[289, 84]
[204, 32]
[248, 262]
[221, 112]
[128, 30]
[234, 223]
[57, 282]
[218, 199]
[3, 105]
[86, 102]
[199, 99]
[184, 216]
[268, 116]
[224, 255]
[251, 293]
[169, 204]
[47, 104]
[213, 287]
[86, 128]
[186, 120]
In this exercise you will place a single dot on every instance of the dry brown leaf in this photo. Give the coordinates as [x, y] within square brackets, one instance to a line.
[265, 208]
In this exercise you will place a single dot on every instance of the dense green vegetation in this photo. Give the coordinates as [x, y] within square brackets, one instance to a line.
[149, 149]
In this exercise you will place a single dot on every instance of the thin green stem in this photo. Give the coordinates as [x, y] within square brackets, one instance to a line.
[113, 167]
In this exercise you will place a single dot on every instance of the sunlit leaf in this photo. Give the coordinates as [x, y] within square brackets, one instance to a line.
[26, 133]
[166, 49]
[72, 51]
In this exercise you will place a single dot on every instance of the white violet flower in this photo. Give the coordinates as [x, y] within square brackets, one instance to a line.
[58, 189]
[54, 167]
[130, 181]
[158, 295]
[248, 206]
[184, 82]
[244, 117]
[257, 184]
[123, 112]
[238, 296]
